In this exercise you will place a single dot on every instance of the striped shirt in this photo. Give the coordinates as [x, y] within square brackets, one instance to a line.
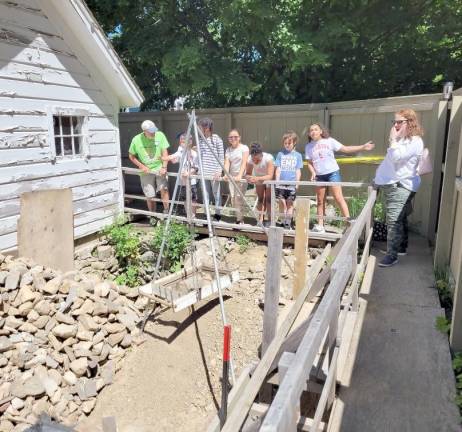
[209, 162]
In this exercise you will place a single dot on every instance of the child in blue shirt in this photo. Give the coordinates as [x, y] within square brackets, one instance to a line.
[289, 165]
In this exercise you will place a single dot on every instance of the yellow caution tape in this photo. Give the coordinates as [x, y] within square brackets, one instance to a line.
[374, 160]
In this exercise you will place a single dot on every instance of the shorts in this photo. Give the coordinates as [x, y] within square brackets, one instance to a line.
[286, 194]
[153, 183]
[330, 177]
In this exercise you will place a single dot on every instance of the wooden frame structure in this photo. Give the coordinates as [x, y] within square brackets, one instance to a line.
[321, 330]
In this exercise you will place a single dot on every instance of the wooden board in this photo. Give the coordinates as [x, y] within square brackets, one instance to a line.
[46, 228]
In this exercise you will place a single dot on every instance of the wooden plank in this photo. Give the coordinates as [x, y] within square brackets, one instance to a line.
[23, 140]
[280, 416]
[237, 416]
[301, 243]
[272, 284]
[447, 203]
[45, 228]
[18, 157]
[8, 241]
[83, 185]
[45, 170]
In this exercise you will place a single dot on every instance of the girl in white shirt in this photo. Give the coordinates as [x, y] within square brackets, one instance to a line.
[319, 152]
[260, 168]
[236, 156]
[397, 177]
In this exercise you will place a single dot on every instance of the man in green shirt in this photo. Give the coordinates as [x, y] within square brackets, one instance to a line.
[146, 152]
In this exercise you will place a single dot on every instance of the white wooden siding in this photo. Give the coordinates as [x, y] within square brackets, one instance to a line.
[38, 69]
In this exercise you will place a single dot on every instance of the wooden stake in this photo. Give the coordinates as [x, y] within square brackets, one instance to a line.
[301, 243]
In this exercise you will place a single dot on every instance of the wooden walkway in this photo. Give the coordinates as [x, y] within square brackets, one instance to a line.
[397, 375]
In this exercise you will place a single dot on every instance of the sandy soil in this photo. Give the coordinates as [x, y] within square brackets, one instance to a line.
[172, 381]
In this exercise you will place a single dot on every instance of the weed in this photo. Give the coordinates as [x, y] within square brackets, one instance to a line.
[125, 241]
[444, 289]
[179, 240]
[243, 242]
[443, 324]
[129, 277]
[457, 366]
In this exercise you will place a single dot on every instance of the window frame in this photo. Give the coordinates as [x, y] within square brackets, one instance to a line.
[72, 112]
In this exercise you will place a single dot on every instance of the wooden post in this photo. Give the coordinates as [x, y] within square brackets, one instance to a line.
[455, 336]
[188, 203]
[301, 243]
[273, 206]
[273, 279]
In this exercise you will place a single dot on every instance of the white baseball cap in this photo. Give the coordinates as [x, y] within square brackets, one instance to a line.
[149, 126]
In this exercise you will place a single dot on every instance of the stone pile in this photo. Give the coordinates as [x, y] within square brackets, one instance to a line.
[62, 337]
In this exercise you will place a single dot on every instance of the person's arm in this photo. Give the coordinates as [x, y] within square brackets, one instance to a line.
[269, 172]
[404, 152]
[135, 161]
[226, 165]
[248, 169]
[298, 176]
[355, 149]
[245, 157]
[311, 170]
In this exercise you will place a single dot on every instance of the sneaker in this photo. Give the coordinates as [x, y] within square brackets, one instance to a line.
[266, 223]
[217, 217]
[318, 229]
[287, 225]
[388, 261]
[401, 252]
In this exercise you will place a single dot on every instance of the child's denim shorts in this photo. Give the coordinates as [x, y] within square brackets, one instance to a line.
[331, 177]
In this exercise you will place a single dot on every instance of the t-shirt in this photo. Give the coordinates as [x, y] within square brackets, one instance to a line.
[289, 163]
[149, 151]
[235, 156]
[321, 154]
[190, 163]
[210, 153]
[261, 169]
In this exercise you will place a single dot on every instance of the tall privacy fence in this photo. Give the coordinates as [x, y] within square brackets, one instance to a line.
[353, 122]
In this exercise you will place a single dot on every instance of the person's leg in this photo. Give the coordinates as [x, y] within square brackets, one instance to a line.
[216, 190]
[320, 201]
[267, 202]
[396, 198]
[161, 185]
[340, 200]
[148, 186]
[405, 237]
[290, 208]
[260, 191]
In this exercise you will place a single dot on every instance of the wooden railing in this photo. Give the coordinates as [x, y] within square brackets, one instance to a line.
[323, 328]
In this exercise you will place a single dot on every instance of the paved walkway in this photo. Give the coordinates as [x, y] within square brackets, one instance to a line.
[401, 379]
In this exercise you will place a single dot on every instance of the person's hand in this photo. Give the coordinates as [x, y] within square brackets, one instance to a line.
[393, 134]
[145, 169]
[402, 130]
[237, 178]
[252, 179]
[313, 177]
[163, 171]
[217, 176]
[184, 173]
[165, 158]
[368, 146]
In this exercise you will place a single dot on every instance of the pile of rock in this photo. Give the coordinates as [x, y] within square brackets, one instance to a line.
[62, 337]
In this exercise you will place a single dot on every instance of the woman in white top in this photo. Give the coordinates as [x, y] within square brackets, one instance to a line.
[236, 156]
[397, 177]
[260, 168]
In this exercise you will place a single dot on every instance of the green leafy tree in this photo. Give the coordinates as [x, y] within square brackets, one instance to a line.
[250, 52]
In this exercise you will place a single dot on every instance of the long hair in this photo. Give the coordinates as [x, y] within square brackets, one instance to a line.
[413, 126]
[324, 130]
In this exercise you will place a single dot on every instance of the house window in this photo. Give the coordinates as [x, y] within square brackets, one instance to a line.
[68, 133]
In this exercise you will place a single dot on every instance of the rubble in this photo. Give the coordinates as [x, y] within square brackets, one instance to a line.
[62, 338]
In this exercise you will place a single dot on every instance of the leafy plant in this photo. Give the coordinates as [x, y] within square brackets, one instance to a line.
[126, 243]
[443, 324]
[178, 241]
[243, 242]
[457, 366]
[444, 289]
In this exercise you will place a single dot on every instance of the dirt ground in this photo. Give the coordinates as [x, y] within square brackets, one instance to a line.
[172, 381]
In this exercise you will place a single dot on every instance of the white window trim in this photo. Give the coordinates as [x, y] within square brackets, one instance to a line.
[78, 112]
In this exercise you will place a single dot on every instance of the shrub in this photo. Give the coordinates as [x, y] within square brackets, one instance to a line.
[243, 242]
[178, 242]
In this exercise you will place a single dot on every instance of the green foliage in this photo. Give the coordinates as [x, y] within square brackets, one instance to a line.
[356, 204]
[443, 324]
[457, 366]
[444, 289]
[178, 241]
[126, 243]
[255, 52]
[243, 242]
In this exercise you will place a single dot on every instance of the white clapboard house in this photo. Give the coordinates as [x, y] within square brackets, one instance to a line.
[61, 88]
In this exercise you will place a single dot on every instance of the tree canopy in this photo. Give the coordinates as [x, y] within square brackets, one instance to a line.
[261, 52]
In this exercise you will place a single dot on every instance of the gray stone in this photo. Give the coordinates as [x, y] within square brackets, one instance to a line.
[5, 344]
[88, 406]
[28, 328]
[17, 403]
[42, 321]
[13, 322]
[64, 331]
[104, 252]
[52, 286]
[114, 327]
[79, 366]
[86, 388]
[12, 280]
[70, 378]
[102, 289]
[115, 338]
[64, 318]
[148, 256]
[3, 276]
[43, 307]
[30, 387]
[88, 322]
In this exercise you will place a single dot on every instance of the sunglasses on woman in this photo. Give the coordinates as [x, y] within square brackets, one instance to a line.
[398, 121]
